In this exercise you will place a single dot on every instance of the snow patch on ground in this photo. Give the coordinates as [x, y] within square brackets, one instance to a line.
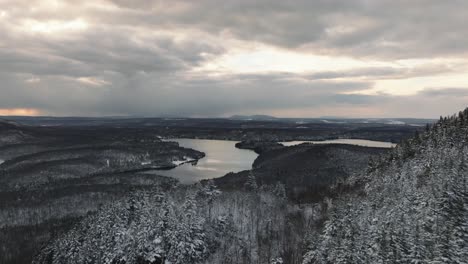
[213, 161]
[332, 122]
[182, 161]
[395, 122]
[146, 163]
[205, 168]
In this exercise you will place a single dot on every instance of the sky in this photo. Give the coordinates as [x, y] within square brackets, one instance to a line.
[211, 58]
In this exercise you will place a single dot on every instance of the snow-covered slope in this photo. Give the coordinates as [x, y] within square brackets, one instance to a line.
[409, 207]
[412, 206]
[12, 133]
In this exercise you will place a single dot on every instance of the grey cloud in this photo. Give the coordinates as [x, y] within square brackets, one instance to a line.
[144, 51]
[360, 99]
[153, 94]
[102, 50]
[423, 104]
[383, 29]
[445, 92]
[384, 72]
[215, 97]
[158, 94]
[386, 28]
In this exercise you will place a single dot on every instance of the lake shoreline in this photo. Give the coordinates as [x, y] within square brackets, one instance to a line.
[223, 157]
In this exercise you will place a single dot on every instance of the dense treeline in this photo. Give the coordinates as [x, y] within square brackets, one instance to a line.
[409, 207]
[51, 177]
[413, 207]
[197, 224]
[307, 170]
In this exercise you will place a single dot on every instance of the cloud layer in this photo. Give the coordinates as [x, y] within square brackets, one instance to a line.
[218, 58]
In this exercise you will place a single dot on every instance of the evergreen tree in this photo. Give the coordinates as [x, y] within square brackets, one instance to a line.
[251, 183]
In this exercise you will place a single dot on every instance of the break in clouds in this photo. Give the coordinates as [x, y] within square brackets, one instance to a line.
[219, 58]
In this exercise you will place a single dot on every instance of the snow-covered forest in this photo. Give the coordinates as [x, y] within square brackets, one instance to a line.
[410, 206]
[199, 224]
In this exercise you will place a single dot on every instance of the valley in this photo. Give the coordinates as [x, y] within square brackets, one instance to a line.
[241, 193]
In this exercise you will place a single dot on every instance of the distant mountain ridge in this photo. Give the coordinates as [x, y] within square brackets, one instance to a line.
[253, 117]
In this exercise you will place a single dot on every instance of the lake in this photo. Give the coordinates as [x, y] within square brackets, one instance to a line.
[357, 142]
[221, 158]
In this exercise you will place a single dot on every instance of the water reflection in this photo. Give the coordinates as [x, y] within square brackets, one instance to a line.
[221, 158]
[357, 142]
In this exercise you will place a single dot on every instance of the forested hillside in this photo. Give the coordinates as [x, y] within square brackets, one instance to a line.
[408, 206]
[307, 170]
[51, 177]
[197, 224]
[412, 206]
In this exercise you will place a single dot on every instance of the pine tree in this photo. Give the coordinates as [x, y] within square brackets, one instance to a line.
[280, 191]
[251, 183]
[187, 237]
[276, 261]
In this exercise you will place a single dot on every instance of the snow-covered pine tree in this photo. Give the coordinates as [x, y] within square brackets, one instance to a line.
[413, 206]
[251, 183]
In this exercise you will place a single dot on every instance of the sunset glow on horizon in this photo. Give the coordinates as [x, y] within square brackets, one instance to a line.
[19, 112]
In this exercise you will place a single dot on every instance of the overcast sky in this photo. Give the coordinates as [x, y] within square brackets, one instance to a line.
[304, 58]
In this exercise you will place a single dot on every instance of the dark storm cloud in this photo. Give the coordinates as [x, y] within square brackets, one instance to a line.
[215, 97]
